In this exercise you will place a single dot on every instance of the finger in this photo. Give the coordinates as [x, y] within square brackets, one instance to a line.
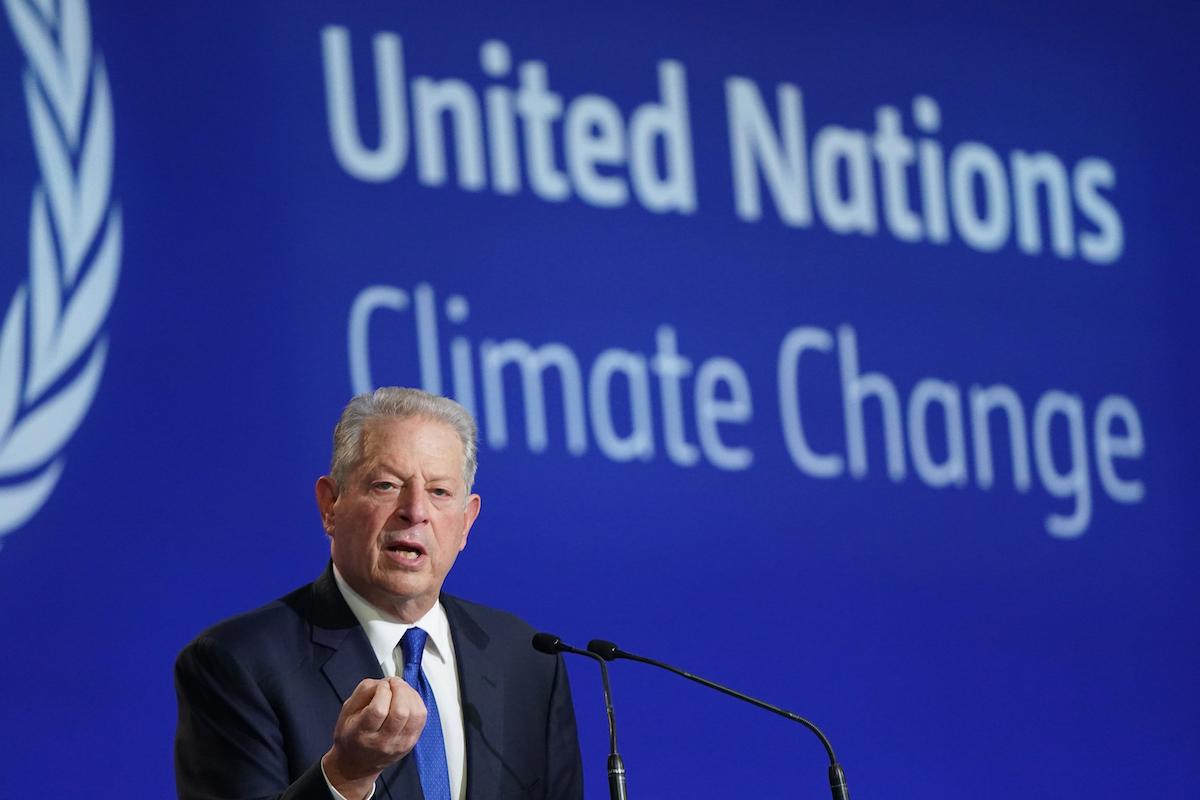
[400, 686]
[415, 723]
[406, 709]
[361, 695]
[376, 711]
[416, 717]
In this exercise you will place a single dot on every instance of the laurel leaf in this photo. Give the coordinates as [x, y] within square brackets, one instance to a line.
[55, 162]
[45, 300]
[68, 212]
[95, 165]
[75, 36]
[41, 434]
[47, 9]
[12, 353]
[88, 307]
[20, 502]
[40, 49]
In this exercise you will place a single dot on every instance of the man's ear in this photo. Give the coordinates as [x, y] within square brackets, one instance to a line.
[326, 490]
[470, 514]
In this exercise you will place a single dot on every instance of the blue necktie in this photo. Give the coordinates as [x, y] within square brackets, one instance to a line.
[430, 750]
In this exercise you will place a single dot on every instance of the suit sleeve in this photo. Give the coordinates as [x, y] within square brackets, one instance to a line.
[563, 761]
[228, 744]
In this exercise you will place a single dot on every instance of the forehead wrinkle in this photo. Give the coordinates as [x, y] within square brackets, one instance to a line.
[373, 463]
[374, 451]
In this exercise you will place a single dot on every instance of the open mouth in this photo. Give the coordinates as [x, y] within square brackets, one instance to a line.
[409, 552]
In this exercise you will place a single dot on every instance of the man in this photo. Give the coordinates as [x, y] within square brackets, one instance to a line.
[320, 694]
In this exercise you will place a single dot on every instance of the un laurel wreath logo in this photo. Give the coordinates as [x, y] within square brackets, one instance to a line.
[51, 349]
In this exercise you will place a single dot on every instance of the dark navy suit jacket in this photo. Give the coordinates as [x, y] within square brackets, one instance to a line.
[259, 695]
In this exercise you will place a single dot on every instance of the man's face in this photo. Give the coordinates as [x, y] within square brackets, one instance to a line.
[402, 515]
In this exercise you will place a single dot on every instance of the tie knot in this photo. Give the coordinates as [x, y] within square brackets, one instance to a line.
[413, 646]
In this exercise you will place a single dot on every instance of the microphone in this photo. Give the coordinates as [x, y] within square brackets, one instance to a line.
[552, 645]
[837, 778]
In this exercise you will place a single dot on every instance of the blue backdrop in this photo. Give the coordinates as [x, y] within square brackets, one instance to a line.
[864, 337]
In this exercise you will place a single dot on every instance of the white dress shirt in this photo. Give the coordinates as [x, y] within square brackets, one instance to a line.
[441, 670]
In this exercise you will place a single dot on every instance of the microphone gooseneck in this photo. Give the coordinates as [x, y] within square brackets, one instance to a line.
[552, 645]
[608, 651]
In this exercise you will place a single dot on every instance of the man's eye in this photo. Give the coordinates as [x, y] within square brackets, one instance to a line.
[383, 486]
[440, 492]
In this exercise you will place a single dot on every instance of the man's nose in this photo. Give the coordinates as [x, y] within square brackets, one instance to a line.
[412, 505]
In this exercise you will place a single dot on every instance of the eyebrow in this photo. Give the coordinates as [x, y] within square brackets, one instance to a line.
[369, 468]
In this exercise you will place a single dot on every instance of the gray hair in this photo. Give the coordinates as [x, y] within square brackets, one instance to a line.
[394, 402]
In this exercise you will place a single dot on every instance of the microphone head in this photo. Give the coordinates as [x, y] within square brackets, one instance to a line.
[606, 650]
[547, 643]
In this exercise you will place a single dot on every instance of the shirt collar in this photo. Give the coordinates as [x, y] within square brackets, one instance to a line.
[384, 631]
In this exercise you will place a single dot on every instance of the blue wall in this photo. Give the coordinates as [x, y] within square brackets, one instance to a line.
[864, 337]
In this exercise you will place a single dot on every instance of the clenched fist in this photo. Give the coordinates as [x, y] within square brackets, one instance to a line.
[378, 725]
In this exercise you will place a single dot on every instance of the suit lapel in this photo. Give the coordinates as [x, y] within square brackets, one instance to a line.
[482, 690]
[347, 660]
[349, 657]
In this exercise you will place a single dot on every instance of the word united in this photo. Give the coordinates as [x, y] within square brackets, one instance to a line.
[510, 132]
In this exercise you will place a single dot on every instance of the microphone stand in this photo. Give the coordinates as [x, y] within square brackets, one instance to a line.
[551, 644]
[837, 778]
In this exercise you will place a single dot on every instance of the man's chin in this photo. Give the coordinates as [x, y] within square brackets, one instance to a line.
[402, 588]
